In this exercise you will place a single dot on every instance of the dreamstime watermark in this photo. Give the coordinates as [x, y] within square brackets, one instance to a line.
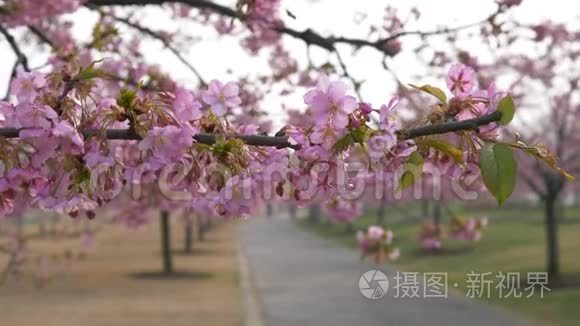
[351, 181]
[374, 284]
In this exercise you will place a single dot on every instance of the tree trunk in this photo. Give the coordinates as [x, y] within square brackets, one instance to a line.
[381, 214]
[349, 228]
[188, 248]
[437, 214]
[314, 214]
[552, 250]
[424, 208]
[166, 243]
[293, 212]
[203, 227]
[269, 210]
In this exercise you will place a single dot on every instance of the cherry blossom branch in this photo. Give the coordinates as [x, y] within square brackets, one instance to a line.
[309, 36]
[281, 141]
[446, 127]
[208, 139]
[46, 40]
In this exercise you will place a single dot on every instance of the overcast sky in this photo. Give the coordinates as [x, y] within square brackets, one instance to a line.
[214, 56]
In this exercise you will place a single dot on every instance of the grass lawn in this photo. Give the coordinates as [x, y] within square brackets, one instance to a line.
[119, 282]
[507, 246]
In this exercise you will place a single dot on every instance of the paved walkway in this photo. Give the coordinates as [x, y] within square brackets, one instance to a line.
[302, 279]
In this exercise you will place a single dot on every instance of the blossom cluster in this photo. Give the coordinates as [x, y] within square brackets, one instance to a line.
[430, 236]
[262, 17]
[468, 229]
[25, 12]
[377, 243]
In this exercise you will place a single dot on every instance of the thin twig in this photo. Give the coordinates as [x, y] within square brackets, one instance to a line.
[68, 87]
[46, 40]
[309, 36]
[347, 74]
[163, 40]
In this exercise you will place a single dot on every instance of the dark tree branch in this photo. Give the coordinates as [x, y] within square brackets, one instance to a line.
[69, 84]
[282, 142]
[200, 4]
[446, 127]
[42, 36]
[20, 57]
[309, 36]
[12, 75]
[209, 139]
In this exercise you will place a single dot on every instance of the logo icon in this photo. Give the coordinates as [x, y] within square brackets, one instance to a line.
[373, 284]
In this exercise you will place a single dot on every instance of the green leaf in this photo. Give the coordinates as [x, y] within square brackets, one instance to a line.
[126, 98]
[507, 107]
[413, 170]
[498, 169]
[415, 159]
[343, 144]
[407, 180]
[90, 72]
[446, 148]
[360, 134]
[83, 176]
[432, 90]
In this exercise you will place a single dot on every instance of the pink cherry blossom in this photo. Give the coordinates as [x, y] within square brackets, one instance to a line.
[324, 136]
[36, 116]
[77, 203]
[343, 210]
[6, 206]
[380, 145]
[186, 107]
[461, 80]
[330, 103]
[394, 255]
[221, 97]
[72, 141]
[388, 116]
[431, 244]
[26, 85]
[375, 232]
[29, 12]
[44, 145]
[365, 108]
